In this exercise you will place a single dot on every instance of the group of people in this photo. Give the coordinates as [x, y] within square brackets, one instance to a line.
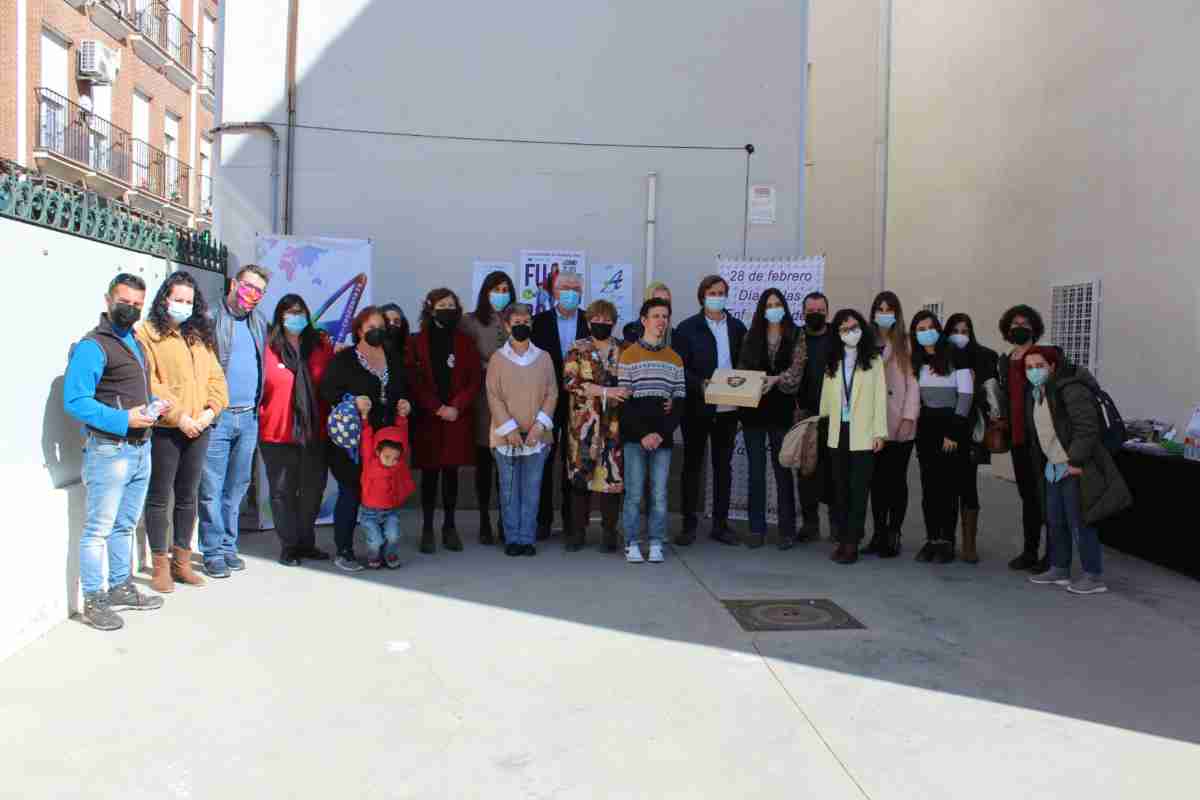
[174, 407]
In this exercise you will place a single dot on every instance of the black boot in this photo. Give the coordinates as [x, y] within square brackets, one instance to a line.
[926, 553]
[878, 540]
[428, 543]
[485, 528]
[891, 543]
[1025, 561]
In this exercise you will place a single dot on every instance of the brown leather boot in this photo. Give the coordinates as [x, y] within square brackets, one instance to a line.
[161, 582]
[181, 568]
[970, 531]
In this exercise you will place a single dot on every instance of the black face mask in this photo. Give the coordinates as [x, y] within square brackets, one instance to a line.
[520, 333]
[446, 317]
[814, 321]
[601, 331]
[375, 337]
[1020, 335]
[123, 315]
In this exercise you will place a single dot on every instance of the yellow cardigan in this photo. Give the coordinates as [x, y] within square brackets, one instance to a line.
[868, 406]
[188, 375]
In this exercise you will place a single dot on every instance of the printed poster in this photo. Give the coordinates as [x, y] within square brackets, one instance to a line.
[614, 283]
[539, 269]
[762, 204]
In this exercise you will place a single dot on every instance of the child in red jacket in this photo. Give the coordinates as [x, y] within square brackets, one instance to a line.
[386, 484]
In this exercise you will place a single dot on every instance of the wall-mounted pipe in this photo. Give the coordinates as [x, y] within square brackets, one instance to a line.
[289, 193]
[651, 220]
[262, 127]
[883, 137]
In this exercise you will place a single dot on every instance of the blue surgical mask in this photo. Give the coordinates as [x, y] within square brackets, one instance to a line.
[295, 323]
[714, 303]
[775, 315]
[885, 321]
[500, 300]
[179, 312]
[960, 340]
[928, 337]
[1037, 375]
[568, 299]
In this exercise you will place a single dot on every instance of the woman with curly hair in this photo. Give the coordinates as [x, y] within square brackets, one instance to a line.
[854, 400]
[180, 347]
[444, 366]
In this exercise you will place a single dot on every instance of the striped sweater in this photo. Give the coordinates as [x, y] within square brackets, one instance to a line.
[653, 375]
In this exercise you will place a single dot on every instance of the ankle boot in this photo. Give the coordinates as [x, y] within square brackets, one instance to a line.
[161, 582]
[970, 532]
[877, 544]
[450, 538]
[610, 540]
[428, 543]
[181, 568]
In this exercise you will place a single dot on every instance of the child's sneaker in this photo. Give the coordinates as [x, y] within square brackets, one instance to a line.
[374, 560]
[392, 561]
[633, 553]
[656, 553]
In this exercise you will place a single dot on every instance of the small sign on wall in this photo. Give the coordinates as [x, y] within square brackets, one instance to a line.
[762, 204]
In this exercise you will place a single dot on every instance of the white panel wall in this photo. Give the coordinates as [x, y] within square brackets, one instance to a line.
[670, 72]
[39, 444]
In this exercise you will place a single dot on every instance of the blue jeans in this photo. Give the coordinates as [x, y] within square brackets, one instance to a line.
[520, 494]
[226, 477]
[640, 462]
[1064, 518]
[756, 440]
[382, 527]
[116, 476]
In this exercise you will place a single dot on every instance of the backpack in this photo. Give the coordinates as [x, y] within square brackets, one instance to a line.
[1112, 426]
[799, 448]
[345, 426]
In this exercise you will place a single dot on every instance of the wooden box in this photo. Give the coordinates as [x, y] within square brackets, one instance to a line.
[735, 387]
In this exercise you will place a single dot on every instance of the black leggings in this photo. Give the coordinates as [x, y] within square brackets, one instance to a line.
[486, 475]
[969, 490]
[296, 476]
[889, 486]
[429, 490]
[941, 475]
[1029, 486]
[176, 463]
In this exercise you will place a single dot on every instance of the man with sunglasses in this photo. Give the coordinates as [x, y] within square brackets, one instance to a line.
[241, 331]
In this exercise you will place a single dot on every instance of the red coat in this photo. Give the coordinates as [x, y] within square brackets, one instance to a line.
[275, 410]
[385, 487]
[438, 443]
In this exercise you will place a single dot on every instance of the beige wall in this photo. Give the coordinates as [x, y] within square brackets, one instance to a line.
[1031, 143]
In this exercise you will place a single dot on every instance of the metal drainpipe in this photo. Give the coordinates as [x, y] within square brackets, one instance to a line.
[263, 127]
[883, 140]
[289, 194]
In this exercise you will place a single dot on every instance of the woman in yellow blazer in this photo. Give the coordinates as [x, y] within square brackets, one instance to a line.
[855, 394]
[180, 349]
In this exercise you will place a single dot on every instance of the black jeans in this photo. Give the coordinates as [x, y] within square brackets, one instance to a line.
[941, 478]
[698, 431]
[296, 476]
[176, 463]
[814, 490]
[757, 454]
[852, 470]
[429, 491]
[889, 486]
[345, 517]
[1031, 498]
[558, 455]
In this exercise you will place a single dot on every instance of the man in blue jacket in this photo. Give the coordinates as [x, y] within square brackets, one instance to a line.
[107, 388]
[241, 331]
[706, 342]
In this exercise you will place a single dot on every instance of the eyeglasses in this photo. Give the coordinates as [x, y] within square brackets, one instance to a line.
[251, 289]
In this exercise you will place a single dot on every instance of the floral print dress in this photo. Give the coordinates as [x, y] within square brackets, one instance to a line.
[594, 460]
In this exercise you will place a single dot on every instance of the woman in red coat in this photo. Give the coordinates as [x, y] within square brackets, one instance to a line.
[445, 371]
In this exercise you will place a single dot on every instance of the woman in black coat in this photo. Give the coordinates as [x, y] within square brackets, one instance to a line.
[373, 375]
[969, 353]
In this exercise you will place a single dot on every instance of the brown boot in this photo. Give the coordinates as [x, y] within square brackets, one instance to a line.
[181, 568]
[161, 582]
[970, 530]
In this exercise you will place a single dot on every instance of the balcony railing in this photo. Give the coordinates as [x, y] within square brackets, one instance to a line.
[206, 195]
[208, 69]
[72, 132]
[167, 30]
[157, 173]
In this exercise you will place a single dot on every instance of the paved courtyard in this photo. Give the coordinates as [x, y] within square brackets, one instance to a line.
[578, 676]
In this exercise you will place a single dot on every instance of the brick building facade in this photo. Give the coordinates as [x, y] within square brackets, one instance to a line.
[114, 95]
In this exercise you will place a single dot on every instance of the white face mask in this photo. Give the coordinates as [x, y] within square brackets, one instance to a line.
[851, 338]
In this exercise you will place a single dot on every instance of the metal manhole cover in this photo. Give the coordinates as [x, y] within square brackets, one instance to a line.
[791, 615]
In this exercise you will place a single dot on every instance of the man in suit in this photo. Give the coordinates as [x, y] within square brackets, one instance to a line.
[706, 342]
[554, 331]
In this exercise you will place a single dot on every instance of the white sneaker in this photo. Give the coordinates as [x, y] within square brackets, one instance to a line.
[633, 554]
[656, 553]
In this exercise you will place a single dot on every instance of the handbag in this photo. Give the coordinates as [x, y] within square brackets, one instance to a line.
[996, 436]
[799, 449]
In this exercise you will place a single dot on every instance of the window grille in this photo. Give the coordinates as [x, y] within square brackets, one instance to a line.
[1075, 321]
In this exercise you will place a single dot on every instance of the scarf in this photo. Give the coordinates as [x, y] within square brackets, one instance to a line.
[304, 399]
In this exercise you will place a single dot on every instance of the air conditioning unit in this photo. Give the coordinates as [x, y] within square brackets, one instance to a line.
[98, 63]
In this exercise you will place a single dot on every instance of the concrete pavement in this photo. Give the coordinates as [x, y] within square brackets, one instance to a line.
[470, 674]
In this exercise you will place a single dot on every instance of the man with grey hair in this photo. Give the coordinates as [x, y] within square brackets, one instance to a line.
[555, 331]
[241, 332]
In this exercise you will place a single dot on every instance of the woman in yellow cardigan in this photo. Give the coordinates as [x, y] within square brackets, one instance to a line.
[177, 340]
[854, 393]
